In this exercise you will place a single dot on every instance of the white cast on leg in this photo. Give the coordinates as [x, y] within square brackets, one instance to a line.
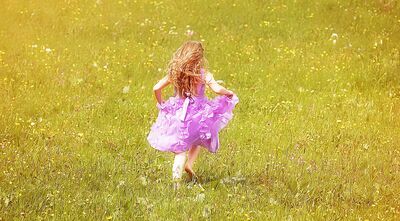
[179, 163]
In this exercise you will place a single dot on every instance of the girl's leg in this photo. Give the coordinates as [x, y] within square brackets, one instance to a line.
[192, 156]
[177, 168]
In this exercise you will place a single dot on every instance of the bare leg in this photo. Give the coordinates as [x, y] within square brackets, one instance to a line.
[177, 168]
[192, 156]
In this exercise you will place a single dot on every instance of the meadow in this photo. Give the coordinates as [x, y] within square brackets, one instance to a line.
[315, 136]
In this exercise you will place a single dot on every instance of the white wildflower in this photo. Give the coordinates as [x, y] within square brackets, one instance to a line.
[125, 90]
[189, 33]
[334, 37]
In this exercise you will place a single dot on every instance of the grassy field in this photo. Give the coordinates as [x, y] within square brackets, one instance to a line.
[316, 135]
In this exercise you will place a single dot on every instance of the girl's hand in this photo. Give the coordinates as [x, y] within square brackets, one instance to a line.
[230, 93]
[160, 105]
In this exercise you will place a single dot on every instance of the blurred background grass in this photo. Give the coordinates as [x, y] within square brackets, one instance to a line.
[315, 135]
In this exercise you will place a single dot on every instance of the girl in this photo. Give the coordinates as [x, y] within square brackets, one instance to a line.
[189, 120]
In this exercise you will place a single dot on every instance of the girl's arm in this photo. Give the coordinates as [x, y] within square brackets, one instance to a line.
[217, 88]
[158, 87]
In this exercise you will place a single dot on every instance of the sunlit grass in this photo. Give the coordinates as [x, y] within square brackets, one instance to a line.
[315, 135]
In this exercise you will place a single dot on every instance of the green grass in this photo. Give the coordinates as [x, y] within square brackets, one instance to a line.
[315, 135]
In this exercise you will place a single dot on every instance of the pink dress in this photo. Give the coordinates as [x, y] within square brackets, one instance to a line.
[194, 120]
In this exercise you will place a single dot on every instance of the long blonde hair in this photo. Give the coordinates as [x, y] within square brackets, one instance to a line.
[184, 68]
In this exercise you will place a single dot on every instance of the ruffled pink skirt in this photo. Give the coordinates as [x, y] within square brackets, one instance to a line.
[202, 122]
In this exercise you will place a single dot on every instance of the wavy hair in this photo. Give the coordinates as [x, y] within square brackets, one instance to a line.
[184, 68]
